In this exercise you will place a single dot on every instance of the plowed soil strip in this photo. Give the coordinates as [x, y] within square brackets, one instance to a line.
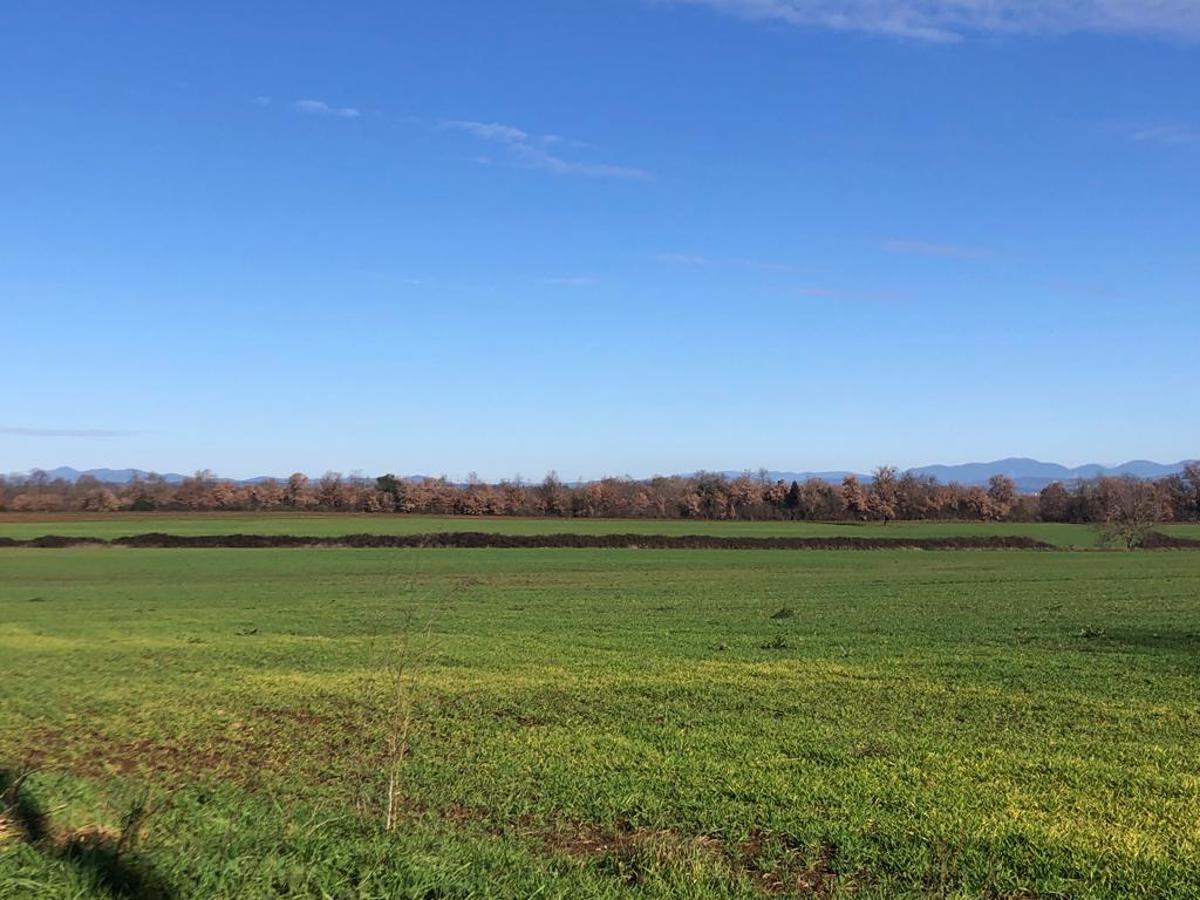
[483, 540]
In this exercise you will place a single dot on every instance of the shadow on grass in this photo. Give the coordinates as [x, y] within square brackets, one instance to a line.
[104, 857]
[1165, 639]
[1173, 650]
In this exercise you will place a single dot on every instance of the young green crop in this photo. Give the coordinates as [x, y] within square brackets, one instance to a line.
[21, 525]
[590, 723]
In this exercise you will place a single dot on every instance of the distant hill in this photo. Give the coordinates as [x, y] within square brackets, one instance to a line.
[1029, 474]
[110, 476]
[124, 476]
[772, 475]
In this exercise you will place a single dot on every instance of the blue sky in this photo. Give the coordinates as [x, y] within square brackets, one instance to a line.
[604, 237]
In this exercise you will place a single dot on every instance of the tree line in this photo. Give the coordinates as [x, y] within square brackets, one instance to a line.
[887, 495]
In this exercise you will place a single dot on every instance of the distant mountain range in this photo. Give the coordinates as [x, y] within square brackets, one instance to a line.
[109, 476]
[124, 476]
[1029, 474]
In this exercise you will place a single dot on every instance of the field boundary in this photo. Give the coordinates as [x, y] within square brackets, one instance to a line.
[470, 540]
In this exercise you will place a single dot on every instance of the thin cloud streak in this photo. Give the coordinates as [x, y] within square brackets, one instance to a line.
[952, 21]
[1168, 135]
[529, 151]
[321, 108]
[488, 131]
[68, 432]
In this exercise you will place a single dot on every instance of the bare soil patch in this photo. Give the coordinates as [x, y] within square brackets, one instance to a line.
[488, 540]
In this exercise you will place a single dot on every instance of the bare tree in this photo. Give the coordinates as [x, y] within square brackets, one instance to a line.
[551, 495]
[1132, 509]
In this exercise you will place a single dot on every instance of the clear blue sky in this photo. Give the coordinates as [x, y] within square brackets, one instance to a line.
[599, 236]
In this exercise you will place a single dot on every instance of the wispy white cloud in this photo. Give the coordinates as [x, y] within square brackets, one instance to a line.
[538, 158]
[572, 281]
[927, 248]
[1168, 135]
[949, 21]
[262, 101]
[530, 151]
[488, 131]
[321, 108]
[67, 432]
[694, 261]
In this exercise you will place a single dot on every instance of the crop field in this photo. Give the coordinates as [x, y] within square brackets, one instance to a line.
[594, 723]
[25, 525]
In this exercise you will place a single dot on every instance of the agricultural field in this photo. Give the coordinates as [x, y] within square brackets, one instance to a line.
[111, 525]
[594, 723]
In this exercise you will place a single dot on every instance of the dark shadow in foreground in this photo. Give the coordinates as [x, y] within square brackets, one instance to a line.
[107, 859]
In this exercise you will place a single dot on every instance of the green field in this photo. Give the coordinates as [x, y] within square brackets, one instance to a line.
[596, 723]
[19, 525]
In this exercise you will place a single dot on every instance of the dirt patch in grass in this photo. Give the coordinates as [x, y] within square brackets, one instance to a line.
[91, 754]
[587, 840]
[263, 741]
[487, 540]
[291, 715]
[523, 720]
[1156, 540]
[790, 870]
[771, 865]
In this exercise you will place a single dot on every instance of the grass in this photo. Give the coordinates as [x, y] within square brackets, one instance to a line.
[27, 525]
[592, 723]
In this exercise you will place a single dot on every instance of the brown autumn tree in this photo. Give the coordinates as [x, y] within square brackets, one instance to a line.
[193, 492]
[221, 495]
[704, 495]
[1002, 491]
[267, 494]
[1191, 478]
[978, 503]
[295, 492]
[331, 493]
[100, 500]
[741, 496]
[1054, 503]
[775, 497]
[515, 497]
[881, 499]
[912, 496]
[854, 498]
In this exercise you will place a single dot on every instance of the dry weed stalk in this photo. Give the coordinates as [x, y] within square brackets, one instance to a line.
[402, 665]
[404, 649]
